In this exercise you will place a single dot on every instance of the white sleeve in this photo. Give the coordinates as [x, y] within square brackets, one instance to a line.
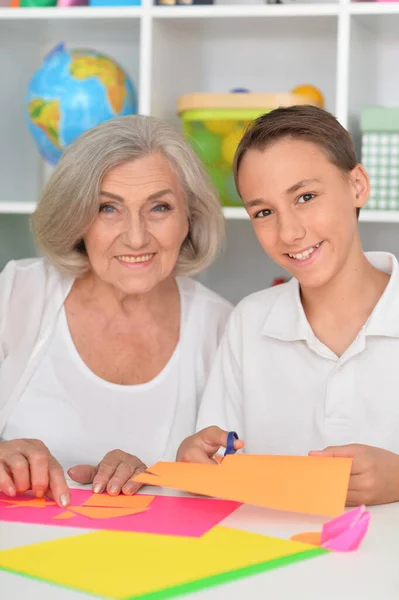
[222, 402]
[6, 285]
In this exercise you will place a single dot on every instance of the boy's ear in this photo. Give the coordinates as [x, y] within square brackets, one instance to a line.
[361, 186]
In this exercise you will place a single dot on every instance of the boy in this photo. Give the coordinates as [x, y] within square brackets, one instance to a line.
[310, 366]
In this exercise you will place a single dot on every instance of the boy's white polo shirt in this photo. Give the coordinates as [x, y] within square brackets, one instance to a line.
[284, 392]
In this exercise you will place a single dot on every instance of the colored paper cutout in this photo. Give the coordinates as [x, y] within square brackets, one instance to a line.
[343, 534]
[129, 566]
[34, 503]
[167, 515]
[309, 537]
[98, 506]
[101, 512]
[65, 515]
[346, 532]
[120, 501]
[308, 484]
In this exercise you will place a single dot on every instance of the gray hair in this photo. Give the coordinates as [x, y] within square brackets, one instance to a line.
[70, 201]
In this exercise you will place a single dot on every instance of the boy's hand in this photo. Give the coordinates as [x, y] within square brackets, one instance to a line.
[201, 447]
[374, 476]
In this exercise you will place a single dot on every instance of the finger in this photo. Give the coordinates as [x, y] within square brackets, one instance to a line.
[196, 455]
[106, 469]
[18, 467]
[358, 482]
[83, 473]
[49, 494]
[202, 446]
[123, 473]
[349, 451]
[132, 487]
[57, 483]
[38, 464]
[6, 483]
[355, 498]
[214, 438]
[238, 444]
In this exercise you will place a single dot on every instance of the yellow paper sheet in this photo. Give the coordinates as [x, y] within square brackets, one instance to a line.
[308, 484]
[122, 565]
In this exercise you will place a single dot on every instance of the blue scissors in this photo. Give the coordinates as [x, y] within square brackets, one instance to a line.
[230, 443]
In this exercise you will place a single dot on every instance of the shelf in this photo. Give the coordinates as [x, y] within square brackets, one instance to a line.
[224, 54]
[379, 216]
[381, 20]
[366, 216]
[77, 12]
[199, 12]
[177, 12]
[245, 11]
[39, 27]
[235, 213]
[17, 208]
[374, 8]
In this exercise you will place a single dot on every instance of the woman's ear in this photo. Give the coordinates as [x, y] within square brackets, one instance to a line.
[361, 186]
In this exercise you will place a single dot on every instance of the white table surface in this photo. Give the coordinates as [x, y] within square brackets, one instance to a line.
[370, 573]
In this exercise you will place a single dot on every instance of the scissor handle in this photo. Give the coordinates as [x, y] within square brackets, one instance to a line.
[230, 443]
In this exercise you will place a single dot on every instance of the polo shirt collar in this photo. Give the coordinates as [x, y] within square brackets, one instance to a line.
[384, 320]
[287, 321]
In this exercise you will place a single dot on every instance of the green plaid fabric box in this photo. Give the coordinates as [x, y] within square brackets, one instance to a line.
[380, 156]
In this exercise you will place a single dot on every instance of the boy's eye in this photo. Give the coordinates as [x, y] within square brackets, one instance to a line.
[107, 208]
[262, 213]
[305, 198]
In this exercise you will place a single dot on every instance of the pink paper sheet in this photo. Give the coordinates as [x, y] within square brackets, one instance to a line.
[167, 515]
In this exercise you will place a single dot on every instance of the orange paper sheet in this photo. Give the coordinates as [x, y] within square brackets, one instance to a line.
[307, 484]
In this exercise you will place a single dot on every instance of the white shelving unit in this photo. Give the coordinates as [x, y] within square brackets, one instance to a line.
[348, 50]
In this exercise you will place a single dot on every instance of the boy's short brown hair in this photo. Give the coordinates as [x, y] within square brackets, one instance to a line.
[302, 122]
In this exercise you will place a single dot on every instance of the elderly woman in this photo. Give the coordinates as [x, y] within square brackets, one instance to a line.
[105, 342]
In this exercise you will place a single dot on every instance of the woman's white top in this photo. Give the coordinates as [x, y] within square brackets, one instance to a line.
[284, 392]
[47, 392]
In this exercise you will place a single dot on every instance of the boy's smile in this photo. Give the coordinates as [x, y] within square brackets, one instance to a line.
[306, 255]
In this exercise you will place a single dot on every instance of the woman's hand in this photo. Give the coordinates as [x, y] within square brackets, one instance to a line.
[114, 473]
[28, 465]
[202, 446]
[374, 475]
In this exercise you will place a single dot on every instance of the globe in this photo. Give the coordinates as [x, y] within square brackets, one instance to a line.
[71, 92]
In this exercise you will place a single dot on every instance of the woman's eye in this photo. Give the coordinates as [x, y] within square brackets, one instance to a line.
[161, 207]
[262, 213]
[305, 198]
[107, 209]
